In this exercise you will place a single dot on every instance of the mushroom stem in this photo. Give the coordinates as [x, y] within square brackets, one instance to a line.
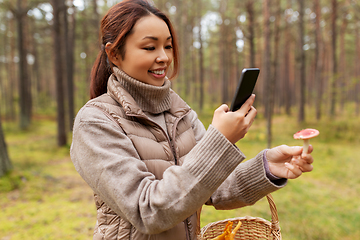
[306, 145]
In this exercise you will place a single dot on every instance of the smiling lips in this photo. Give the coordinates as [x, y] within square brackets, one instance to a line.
[158, 73]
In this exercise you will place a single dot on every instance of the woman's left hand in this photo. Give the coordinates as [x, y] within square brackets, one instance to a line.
[289, 162]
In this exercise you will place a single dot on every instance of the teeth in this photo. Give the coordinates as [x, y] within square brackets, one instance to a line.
[158, 72]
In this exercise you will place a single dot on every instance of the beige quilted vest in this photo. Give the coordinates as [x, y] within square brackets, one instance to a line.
[152, 144]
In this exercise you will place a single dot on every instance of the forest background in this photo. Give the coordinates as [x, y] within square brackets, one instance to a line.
[308, 53]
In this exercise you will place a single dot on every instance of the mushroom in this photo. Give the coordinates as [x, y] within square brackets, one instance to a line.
[305, 135]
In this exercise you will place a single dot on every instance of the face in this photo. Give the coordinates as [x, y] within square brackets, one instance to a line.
[148, 51]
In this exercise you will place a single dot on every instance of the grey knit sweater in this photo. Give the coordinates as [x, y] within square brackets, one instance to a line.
[211, 173]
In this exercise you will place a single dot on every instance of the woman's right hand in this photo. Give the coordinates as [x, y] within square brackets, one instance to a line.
[234, 125]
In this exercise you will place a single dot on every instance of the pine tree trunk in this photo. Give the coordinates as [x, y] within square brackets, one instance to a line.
[251, 36]
[201, 59]
[69, 62]
[266, 73]
[11, 73]
[287, 41]
[24, 81]
[334, 58]
[61, 136]
[302, 87]
[5, 163]
[342, 60]
[318, 60]
[223, 54]
[357, 69]
[275, 60]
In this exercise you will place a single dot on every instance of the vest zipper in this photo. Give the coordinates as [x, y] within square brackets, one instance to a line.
[173, 135]
[186, 221]
[187, 231]
[173, 148]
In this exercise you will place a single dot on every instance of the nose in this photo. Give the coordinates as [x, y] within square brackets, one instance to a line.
[162, 56]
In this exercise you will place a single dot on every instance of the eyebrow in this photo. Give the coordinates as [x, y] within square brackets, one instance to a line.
[155, 38]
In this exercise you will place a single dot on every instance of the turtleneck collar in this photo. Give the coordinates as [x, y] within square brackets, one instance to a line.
[152, 99]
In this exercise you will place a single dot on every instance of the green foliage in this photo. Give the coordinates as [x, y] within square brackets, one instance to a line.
[9, 182]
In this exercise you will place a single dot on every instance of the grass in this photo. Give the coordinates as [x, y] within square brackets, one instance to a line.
[45, 198]
[322, 204]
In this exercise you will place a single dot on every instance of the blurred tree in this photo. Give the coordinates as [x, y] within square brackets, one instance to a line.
[20, 11]
[201, 55]
[301, 59]
[24, 81]
[266, 72]
[334, 57]
[34, 67]
[357, 57]
[288, 41]
[58, 63]
[68, 40]
[5, 163]
[318, 60]
[7, 71]
[25, 102]
[223, 51]
[343, 76]
[274, 73]
[251, 32]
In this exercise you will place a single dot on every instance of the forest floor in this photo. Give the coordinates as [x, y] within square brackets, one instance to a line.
[45, 198]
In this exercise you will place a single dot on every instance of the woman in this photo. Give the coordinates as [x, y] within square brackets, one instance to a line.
[142, 149]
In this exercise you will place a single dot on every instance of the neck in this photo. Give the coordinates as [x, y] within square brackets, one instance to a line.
[152, 99]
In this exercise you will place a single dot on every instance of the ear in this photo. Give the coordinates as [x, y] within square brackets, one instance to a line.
[112, 56]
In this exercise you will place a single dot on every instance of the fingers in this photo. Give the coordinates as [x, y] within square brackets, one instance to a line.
[246, 107]
[297, 151]
[296, 171]
[252, 112]
[302, 164]
[307, 156]
[251, 115]
[304, 154]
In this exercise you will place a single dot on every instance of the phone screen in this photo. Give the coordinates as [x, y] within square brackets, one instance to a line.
[245, 87]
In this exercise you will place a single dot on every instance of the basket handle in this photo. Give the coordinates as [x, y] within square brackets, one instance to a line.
[275, 226]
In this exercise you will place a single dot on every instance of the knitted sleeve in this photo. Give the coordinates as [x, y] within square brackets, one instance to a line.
[247, 184]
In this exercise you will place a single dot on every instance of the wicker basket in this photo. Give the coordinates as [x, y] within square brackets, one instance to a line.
[251, 227]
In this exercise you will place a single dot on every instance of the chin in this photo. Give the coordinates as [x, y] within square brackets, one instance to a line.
[158, 83]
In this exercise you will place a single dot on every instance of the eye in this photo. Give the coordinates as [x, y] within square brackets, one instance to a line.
[168, 47]
[149, 48]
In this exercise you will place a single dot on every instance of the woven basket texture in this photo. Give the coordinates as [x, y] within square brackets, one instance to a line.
[252, 228]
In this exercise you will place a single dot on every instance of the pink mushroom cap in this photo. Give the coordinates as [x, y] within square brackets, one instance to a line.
[306, 134]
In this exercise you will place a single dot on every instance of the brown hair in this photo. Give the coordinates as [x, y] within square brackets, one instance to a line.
[116, 25]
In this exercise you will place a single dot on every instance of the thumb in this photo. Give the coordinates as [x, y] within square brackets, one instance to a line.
[294, 150]
[223, 108]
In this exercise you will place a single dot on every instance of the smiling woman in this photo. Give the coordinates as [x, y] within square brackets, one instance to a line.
[150, 39]
[148, 158]
[117, 31]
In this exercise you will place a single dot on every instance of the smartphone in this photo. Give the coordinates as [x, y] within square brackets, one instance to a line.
[245, 87]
